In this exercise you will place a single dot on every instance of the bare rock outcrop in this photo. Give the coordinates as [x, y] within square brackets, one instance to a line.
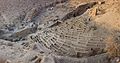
[61, 59]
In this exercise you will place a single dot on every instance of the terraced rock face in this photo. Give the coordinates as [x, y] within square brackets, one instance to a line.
[19, 17]
[76, 37]
[59, 31]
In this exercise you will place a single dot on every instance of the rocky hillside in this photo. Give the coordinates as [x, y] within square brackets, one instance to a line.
[59, 31]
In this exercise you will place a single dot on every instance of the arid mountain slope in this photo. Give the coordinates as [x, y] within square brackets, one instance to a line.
[59, 31]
